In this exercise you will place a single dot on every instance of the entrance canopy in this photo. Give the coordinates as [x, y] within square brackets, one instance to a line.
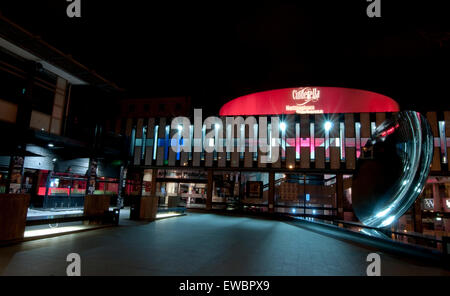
[309, 100]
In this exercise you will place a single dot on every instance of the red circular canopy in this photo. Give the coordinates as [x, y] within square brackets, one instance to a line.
[309, 100]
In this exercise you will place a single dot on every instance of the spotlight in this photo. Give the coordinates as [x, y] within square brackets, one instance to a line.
[50, 145]
[282, 126]
[328, 125]
[180, 127]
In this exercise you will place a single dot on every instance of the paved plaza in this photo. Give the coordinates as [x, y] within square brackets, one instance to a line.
[202, 244]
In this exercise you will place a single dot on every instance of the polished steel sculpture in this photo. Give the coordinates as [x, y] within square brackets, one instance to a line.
[392, 169]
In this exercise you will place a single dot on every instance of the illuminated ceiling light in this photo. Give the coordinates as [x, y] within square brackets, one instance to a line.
[282, 126]
[291, 166]
[54, 159]
[50, 145]
[328, 125]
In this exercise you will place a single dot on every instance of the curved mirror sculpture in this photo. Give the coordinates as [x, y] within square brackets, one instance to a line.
[392, 169]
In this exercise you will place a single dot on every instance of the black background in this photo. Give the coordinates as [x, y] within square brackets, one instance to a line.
[217, 50]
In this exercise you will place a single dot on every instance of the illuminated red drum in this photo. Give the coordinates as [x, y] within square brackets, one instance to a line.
[309, 100]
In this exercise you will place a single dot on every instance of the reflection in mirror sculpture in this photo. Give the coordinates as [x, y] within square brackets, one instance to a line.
[392, 169]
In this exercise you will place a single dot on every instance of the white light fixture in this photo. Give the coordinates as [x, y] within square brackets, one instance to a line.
[50, 145]
[167, 215]
[54, 159]
[328, 125]
[180, 127]
[49, 231]
[282, 126]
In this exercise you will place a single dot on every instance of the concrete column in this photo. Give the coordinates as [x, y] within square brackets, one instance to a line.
[141, 182]
[15, 174]
[47, 188]
[23, 118]
[340, 195]
[145, 207]
[271, 197]
[153, 186]
[122, 184]
[13, 215]
[91, 176]
[436, 198]
[58, 106]
[417, 216]
[209, 190]
[446, 224]
[25, 102]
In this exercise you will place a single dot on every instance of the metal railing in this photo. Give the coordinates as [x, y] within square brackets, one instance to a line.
[425, 242]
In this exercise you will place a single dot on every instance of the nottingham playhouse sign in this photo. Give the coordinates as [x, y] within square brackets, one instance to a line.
[305, 97]
[309, 100]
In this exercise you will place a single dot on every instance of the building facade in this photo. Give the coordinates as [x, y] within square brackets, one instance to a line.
[322, 134]
[47, 118]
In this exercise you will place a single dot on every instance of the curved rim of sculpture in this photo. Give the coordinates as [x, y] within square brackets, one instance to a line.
[418, 153]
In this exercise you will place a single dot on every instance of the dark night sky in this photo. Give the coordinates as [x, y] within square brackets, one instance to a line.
[219, 50]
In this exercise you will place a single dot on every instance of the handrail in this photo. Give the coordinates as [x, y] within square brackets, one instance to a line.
[382, 230]
[385, 230]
